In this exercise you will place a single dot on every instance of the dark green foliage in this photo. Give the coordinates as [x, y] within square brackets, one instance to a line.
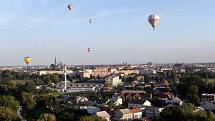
[186, 112]
[191, 87]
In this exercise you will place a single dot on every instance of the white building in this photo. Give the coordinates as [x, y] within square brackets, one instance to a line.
[123, 114]
[175, 100]
[54, 72]
[103, 115]
[81, 89]
[137, 113]
[87, 73]
[114, 71]
[153, 111]
[81, 100]
[139, 104]
[117, 100]
[114, 80]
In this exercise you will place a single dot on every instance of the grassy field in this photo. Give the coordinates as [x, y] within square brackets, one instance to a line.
[21, 82]
[211, 81]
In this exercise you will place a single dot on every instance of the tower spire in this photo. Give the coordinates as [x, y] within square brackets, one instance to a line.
[55, 61]
[65, 85]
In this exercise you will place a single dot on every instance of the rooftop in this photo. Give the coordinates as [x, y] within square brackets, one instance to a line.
[136, 110]
[125, 111]
[102, 114]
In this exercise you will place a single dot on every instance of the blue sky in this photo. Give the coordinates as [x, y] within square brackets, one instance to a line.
[44, 29]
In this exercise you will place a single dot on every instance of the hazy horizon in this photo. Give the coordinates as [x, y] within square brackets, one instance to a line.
[120, 32]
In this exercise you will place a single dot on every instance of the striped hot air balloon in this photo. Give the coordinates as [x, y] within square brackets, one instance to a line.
[154, 20]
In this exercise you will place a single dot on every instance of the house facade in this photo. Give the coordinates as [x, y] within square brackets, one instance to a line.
[104, 115]
[137, 113]
[123, 114]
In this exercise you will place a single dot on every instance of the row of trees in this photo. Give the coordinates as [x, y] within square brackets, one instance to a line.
[186, 112]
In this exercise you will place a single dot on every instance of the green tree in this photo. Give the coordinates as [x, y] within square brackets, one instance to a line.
[47, 117]
[12, 84]
[29, 87]
[91, 118]
[186, 112]
[171, 113]
[67, 114]
[111, 104]
[210, 116]
[28, 100]
[194, 99]
[194, 90]
[9, 101]
[191, 85]
[3, 89]
[8, 114]
[174, 77]
[55, 78]
[7, 75]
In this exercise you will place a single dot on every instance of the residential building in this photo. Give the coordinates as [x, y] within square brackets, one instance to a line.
[137, 113]
[103, 115]
[139, 104]
[152, 112]
[208, 97]
[100, 72]
[123, 114]
[54, 72]
[114, 80]
[92, 110]
[126, 72]
[175, 100]
[117, 100]
[208, 105]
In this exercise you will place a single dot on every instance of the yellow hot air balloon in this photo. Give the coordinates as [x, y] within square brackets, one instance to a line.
[27, 60]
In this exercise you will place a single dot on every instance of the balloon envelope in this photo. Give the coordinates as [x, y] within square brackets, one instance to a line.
[91, 21]
[154, 20]
[27, 60]
[69, 7]
[89, 49]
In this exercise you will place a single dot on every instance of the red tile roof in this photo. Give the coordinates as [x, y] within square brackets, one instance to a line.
[136, 110]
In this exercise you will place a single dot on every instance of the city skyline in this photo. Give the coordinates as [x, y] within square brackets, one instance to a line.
[119, 32]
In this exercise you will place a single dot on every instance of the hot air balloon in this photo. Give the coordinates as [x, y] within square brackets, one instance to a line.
[89, 49]
[27, 60]
[91, 21]
[154, 19]
[69, 7]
